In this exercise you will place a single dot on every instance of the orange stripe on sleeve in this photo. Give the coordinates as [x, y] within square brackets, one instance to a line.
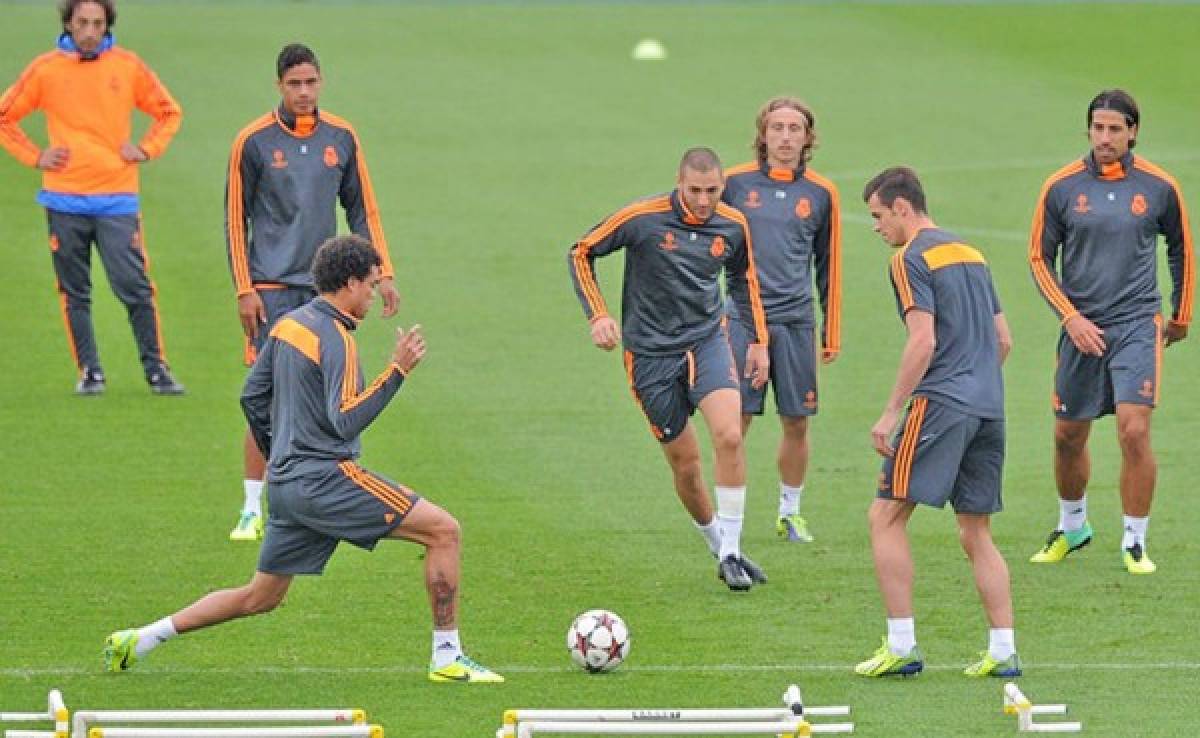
[1042, 276]
[900, 278]
[370, 205]
[756, 306]
[1187, 295]
[154, 99]
[833, 316]
[583, 270]
[239, 260]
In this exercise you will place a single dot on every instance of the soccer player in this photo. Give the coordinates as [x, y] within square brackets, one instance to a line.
[677, 353]
[88, 88]
[287, 171]
[951, 444]
[307, 406]
[1105, 212]
[796, 226]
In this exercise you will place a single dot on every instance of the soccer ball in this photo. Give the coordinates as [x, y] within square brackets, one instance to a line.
[598, 641]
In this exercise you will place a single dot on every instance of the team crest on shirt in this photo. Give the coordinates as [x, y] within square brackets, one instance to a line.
[1081, 204]
[331, 157]
[278, 160]
[1138, 206]
[114, 84]
[718, 247]
[668, 243]
[803, 208]
[752, 200]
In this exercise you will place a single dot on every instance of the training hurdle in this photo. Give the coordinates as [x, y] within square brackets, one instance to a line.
[348, 723]
[56, 712]
[1016, 703]
[790, 721]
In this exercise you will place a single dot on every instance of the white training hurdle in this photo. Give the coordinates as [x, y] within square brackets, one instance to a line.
[349, 722]
[56, 712]
[787, 721]
[1016, 703]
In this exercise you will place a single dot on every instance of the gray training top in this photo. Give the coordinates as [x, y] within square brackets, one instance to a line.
[938, 273]
[304, 398]
[1107, 222]
[796, 226]
[671, 297]
[284, 181]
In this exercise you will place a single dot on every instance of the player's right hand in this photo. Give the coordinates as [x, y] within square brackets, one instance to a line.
[252, 313]
[605, 333]
[410, 349]
[1086, 335]
[54, 159]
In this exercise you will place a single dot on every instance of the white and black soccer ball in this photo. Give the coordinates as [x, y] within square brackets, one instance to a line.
[598, 641]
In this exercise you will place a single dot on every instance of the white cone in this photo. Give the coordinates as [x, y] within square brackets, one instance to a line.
[649, 49]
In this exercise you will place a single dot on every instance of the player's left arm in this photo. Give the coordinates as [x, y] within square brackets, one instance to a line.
[152, 98]
[741, 275]
[1182, 262]
[362, 215]
[349, 409]
[827, 262]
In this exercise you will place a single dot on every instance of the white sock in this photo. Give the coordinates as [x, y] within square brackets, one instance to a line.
[712, 535]
[1135, 531]
[789, 499]
[1001, 643]
[731, 504]
[446, 647]
[253, 502]
[902, 636]
[1072, 514]
[150, 636]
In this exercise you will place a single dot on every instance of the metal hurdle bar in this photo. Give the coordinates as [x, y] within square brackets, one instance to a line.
[788, 721]
[56, 712]
[1016, 703]
[352, 724]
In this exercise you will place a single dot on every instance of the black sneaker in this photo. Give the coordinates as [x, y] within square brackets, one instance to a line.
[753, 570]
[730, 571]
[162, 383]
[91, 382]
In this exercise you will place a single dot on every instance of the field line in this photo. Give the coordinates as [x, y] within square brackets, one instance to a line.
[16, 672]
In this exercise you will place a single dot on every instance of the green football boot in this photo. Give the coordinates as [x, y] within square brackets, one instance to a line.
[120, 650]
[793, 528]
[885, 663]
[1060, 543]
[249, 528]
[987, 666]
[1137, 562]
[464, 671]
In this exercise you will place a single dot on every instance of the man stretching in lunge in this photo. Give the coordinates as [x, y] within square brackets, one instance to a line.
[307, 405]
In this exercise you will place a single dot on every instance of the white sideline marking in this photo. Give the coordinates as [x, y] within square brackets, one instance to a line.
[516, 669]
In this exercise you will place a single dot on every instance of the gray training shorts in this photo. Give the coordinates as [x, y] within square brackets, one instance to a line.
[310, 515]
[793, 379]
[670, 388]
[278, 301]
[945, 455]
[1087, 387]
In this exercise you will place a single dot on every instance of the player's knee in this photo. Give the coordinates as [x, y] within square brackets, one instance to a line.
[727, 440]
[260, 601]
[1133, 434]
[795, 429]
[445, 532]
[1069, 441]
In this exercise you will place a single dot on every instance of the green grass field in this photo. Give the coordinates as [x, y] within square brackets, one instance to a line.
[496, 134]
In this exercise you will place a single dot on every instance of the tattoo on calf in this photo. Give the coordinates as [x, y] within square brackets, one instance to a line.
[444, 598]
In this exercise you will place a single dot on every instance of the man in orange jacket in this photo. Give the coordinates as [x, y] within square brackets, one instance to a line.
[88, 87]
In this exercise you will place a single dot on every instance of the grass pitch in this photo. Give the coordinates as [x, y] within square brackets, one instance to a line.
[496, 133]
